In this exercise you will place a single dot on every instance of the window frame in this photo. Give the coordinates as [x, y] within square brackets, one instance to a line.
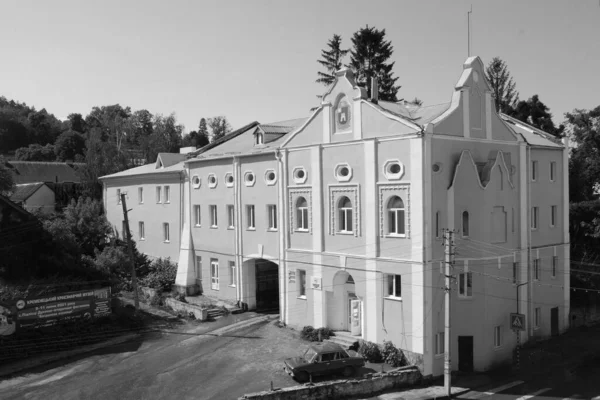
[398, 215]
[232, 274]
[393, 282]
[214, 221]
[140, 195]
[141, 230]
[197, 215]
[554, 266]
[230, 216]
[214, 274]
[158, 195]
[467, 277]
[535, 215]
[345, 214]
[272, 222]
[167, 194]
[537, 266]
[534, 170]
[301, 283]
[465, 232]
[553, 215]
[250, 217]
[552, 171]
[302, 222]
[166, 233]
[498, 336]
[440, 343]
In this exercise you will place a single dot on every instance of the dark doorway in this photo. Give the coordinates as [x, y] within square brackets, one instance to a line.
[554, 321]
[465, 353]
[267, 286]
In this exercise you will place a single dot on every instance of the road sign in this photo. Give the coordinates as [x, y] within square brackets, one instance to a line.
[517, 322]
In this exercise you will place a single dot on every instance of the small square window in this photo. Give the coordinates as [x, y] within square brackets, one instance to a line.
[465, 284]
[301, 283]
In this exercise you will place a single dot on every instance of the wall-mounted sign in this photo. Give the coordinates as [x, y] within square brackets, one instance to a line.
[343, 115]
[315, 282]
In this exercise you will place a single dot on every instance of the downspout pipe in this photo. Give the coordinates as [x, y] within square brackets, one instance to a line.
[281, 244]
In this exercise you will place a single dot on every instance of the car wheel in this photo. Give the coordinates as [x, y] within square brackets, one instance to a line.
[302, 376]
[348, 371]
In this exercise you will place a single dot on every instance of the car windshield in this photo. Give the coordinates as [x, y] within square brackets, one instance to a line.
[309, 354]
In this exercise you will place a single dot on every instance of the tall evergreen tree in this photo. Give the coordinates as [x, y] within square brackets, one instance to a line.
[369, 58]
[331, 59]
[502, 85]
[202, 136]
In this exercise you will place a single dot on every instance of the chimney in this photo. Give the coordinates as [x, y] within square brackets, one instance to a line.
[374, 90]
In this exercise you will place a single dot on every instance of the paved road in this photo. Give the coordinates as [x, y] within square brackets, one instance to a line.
[167, 366]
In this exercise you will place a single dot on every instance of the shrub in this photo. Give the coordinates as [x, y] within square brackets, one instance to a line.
[370, 351]
[312, 335]
[156, 300]
[162, 274]
[392, 355]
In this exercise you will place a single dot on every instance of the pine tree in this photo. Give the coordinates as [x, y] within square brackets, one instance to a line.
[502, 85]
[369, 58]
[202, 136]
[332, 60]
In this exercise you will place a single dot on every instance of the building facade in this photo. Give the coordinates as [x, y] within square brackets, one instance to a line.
[337, 220]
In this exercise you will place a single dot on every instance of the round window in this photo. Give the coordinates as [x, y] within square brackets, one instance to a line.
[249, 177]
[300, 174]
[436, 167]
[271, 176]
[230, 179]
[212, 179]
[344, 171]
[196, 180]
[394, 168]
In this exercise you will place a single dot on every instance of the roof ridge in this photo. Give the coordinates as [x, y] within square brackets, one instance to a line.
[223, 139]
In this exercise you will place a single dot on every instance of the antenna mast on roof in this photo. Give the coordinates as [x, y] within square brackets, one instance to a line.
[469, 31]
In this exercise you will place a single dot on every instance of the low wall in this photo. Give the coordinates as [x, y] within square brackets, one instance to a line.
[396, 379]
[178, 306]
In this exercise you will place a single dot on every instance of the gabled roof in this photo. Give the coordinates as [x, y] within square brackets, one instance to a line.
[24, 191]
[5, 202]
[148, 169]
[532, 135]
[167, 159]
[420, 115]
[39, 171]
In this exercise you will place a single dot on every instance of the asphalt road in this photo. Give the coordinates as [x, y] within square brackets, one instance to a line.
[172, 365]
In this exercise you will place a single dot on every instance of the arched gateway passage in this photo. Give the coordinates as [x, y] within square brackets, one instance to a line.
[267, 285]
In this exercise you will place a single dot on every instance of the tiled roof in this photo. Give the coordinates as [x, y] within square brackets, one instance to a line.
[531, 134]
[146, 170]
[24, 191]
[417, 114]
[38, 171]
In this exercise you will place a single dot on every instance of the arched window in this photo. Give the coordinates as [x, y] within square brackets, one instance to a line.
[465, 224]
[345, 207]
[301, 214]
[395, 210]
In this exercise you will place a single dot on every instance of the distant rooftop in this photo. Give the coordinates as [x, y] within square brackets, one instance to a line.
[40, 171]
[24, 191]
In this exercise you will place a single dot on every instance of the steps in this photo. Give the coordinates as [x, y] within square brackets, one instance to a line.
[218, 312]
[343, 338]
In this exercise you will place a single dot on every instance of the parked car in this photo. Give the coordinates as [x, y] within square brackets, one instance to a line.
[323, 359]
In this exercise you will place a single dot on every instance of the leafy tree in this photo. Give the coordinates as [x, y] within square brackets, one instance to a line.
[85, 218]
[537, 114]
[77, 123]
[166, 137]
[202, 136]
[369, 58]
[7, 184]
[219, 127]
[502, 85]
[36, 152]
[68, 145]
[141, 126]
[331, 60]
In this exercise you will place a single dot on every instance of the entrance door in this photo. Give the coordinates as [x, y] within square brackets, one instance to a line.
[267, 285]
[465, 353]
[554, 321]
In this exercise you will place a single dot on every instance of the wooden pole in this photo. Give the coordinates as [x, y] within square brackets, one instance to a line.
[130, 248]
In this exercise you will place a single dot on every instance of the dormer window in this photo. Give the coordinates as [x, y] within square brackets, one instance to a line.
[259, 138]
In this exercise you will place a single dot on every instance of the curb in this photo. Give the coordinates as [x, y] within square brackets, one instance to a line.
[47, 359]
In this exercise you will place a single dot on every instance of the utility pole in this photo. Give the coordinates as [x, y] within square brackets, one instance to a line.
[130, 246]
[449, 262]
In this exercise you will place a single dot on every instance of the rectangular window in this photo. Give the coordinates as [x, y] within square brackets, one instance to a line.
[250, 217]
[536, 269]
[554, 266]
[534, 217]
[230, 216]
[167, 194]
[465, 224]
[198, 269]
[440, 343]
[118, 196]
[552, 215]
[158, 192]
[497, 336]
[232, 274]
[534, 171]
[142, 230]
[213, 216]
[197, 215]
[166, 236]
[552, 171]
[394, 286]
[437, 224]
[537, 317]
[141, 195]
[465, 284]
[272, 211]
[301, 282]
[214, 274]
[515, 271]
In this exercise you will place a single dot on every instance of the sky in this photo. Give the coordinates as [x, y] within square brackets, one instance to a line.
[256, 60]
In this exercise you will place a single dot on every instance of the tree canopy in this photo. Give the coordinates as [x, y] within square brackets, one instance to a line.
[503, 85]
[535, 113]
[219, 127]
[332, 60]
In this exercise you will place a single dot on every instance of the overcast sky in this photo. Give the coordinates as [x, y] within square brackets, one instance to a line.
[256, 60]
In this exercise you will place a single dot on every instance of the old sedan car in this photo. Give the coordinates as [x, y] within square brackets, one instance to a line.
[322, 359]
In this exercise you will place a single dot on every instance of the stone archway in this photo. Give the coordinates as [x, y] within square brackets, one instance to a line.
[339, 301]
[261, 278]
